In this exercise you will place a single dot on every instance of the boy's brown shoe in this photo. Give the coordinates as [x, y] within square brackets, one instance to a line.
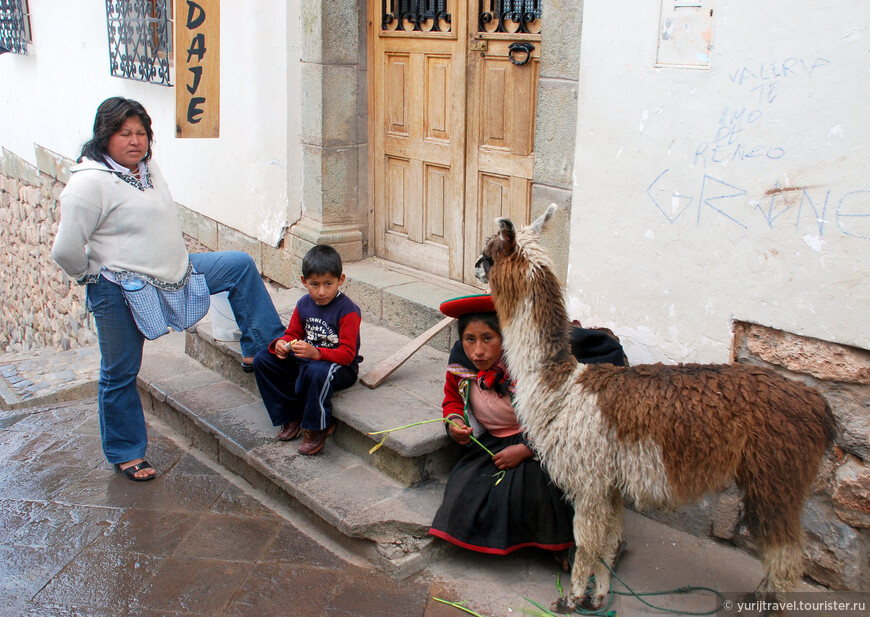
[312, 441]
[289, 430]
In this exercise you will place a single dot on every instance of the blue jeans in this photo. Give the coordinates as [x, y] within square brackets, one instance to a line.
[235, 272]
[299, 389]
[122, 421]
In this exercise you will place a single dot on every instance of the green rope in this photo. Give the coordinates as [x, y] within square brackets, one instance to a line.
[638, 595]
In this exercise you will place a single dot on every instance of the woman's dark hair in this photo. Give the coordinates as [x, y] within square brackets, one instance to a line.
[321, 259]
[490, 319]
[111, 115]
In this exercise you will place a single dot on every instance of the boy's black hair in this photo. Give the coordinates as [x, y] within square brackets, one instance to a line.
[321, 259]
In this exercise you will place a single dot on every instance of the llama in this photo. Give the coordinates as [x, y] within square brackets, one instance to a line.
[657, 435]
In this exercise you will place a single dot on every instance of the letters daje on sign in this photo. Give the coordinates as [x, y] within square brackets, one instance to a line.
[197, 61]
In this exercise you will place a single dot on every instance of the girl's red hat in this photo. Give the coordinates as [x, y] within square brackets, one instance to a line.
[457, 307]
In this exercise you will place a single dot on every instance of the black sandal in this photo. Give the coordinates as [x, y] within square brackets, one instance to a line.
[130, 472]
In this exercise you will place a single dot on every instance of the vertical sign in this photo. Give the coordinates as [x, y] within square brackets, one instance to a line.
[198, 68]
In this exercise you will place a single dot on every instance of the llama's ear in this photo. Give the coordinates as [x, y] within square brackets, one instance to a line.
[507, 236]
[538, 225]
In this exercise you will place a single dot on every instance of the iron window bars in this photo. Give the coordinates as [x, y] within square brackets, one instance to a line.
[416, 15]
[511, 16]
[508, 16]
[14, 26]
[140, 39]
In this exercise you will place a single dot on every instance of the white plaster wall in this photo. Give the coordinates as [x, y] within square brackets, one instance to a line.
[672, 238]
[245, 179]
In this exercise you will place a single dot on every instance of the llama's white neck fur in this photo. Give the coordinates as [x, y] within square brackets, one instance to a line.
[537, 349]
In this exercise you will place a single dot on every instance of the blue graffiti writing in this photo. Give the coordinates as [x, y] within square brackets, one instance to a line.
[776, 207]
[766, 93]
[679, 202]
[788, 68]
[728, 145]
[719, 196]
[853, 214]
[725, 200]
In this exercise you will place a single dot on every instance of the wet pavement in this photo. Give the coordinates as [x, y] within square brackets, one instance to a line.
[76, 538]
[46, 376]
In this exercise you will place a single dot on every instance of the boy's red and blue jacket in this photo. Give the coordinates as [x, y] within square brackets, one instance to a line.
[333, 329]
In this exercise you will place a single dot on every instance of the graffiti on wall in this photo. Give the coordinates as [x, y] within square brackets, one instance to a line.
[739, 142]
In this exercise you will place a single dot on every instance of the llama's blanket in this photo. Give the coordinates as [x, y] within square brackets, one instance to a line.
[596, 347]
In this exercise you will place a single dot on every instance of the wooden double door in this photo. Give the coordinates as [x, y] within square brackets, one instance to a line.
[452, 126]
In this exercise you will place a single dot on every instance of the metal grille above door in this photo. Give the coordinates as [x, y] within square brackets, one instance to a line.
[416, 15]
[510, 16]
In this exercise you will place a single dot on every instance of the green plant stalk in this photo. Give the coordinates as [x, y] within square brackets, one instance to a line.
[386, 433]
[399, 428]
[457, 605]
[546, 611]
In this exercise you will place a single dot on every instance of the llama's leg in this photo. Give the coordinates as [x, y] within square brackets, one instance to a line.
[593, 525]
[613, 520]
[615, 532]
[783, 565]
[773, 515]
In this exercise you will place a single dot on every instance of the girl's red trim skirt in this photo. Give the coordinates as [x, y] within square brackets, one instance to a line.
[497, 551]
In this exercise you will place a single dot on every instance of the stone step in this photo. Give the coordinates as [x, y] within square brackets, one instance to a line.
[346, 494]
[379, 504]
[411, 394]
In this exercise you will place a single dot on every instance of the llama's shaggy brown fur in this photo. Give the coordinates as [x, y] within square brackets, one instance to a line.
[655, 434]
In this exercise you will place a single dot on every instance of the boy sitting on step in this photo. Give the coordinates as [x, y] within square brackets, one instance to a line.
[318, 354]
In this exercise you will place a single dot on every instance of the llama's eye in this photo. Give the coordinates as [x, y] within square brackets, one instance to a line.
[484, 262]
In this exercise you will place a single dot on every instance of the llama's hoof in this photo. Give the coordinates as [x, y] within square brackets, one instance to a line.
[563, 606]
[591, 603]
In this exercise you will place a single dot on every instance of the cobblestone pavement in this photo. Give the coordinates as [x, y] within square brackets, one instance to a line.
[47, 376]
[76, 538]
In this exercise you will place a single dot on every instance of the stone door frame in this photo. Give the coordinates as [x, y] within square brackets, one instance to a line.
[335, 109]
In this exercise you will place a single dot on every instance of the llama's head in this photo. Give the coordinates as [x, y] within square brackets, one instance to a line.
[514, 263]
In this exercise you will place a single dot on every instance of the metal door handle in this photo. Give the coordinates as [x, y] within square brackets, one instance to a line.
[519, 47]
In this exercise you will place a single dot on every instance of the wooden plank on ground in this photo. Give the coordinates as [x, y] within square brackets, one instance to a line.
[388, 366]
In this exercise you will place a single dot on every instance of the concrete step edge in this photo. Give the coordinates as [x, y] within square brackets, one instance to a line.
[418, 384]
[372, 513]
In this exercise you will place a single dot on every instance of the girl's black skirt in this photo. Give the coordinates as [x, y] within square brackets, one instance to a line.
[524, 509]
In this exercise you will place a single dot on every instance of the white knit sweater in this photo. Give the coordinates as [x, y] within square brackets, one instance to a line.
[106, 222]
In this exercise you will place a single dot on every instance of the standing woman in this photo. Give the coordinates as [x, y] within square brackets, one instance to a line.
[120, 224]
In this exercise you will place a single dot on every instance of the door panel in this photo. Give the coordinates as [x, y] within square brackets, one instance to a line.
[419, 136]
[452, 126]
[502, 105]
[397, 93]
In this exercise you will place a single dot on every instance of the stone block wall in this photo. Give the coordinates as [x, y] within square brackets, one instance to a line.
[41, 307]
[837, 515]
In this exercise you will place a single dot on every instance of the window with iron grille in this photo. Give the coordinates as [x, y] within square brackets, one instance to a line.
[14, 26]
[140, 39]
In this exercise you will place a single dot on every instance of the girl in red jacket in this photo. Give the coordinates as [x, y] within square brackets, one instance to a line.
[479, 512]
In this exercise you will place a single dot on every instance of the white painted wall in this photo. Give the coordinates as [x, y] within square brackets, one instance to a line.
[246, 179]
[673, 238]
